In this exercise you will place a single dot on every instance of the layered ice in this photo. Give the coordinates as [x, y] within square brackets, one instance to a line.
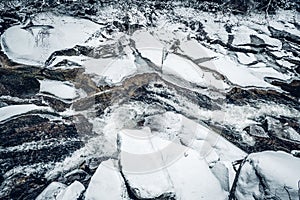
[33, 43]
[14, 110]
[64, 90]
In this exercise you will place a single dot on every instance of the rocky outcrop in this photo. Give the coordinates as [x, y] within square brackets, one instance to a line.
[30, 140]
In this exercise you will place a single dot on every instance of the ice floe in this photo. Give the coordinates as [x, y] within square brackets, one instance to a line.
[33, 44]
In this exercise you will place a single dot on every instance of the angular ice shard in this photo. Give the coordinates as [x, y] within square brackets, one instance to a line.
[51, 191]
[72, 192]
[106, 183]
[155, 168]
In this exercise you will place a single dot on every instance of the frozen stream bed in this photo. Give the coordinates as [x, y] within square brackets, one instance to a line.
[156, 102]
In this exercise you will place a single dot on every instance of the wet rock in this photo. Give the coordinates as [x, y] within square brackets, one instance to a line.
[75, 51]
[290, 122]
[148, 93]
[84, 103]
[282, 131]
[240, 96]
[77, 175]
[22, 186]
[60, 74]
[17, 84]
[32, 139]
[293, 87]
[83, 126]
[56, 104]
[284, 34]
[256, 131]
[10, 159]
[9, 18]
[257, 144]
[33, 128]
[91, 165]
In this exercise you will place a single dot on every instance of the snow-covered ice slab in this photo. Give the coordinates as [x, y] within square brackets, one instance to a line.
[119, 69]
[72, 192]
[246, 59]
[51, 191]
[155, 167]
[14, 110]
[142, 164]
[241, 75]
[112, 70]
[242, 35]
[175, 65]
[195, 50]
[153, 49]
[210, 145]
[106, 183]
[144, 39]
[32, 45]
[59, 89]
[269, 174]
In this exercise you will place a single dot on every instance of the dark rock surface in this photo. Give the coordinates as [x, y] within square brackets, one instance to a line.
[33, 128]
[23, 186]
[47, 141]
[17, 85]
